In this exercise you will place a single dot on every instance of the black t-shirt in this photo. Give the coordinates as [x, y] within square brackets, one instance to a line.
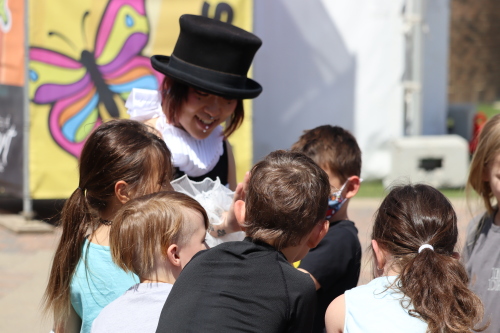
[335, 263]
[242, 286]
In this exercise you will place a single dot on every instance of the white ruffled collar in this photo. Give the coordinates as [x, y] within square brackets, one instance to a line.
[192, 156]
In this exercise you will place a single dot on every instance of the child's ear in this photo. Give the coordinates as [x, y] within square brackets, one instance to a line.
[317, 234]
[380, 259]
[353, 184]
[239, 212]
[121, 191]
[173, 256]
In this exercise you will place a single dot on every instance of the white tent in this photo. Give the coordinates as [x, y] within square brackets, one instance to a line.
[349, 63]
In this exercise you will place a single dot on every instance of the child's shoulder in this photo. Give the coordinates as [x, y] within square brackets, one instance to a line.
[479, 235]
[233, 251]
[480, 223]
[343, 231]
[343, 224]
[294, 276]
[378, 287]
[298, 283]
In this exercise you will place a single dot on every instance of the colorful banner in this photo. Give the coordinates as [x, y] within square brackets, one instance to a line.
[85, 57]
[12, 42]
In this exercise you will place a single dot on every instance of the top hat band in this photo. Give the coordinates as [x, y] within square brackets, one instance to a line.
[226, 79]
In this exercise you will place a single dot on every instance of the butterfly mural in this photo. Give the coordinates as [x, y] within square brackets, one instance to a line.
[85, 92]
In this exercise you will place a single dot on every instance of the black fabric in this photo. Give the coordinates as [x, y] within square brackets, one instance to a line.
[240, 287]
[220, 169]
[212, 56]
[335, 263]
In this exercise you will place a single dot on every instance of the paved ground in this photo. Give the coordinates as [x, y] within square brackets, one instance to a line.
[25, 261]
[24, 265]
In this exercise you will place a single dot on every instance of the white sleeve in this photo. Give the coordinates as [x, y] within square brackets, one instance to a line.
[143, 104]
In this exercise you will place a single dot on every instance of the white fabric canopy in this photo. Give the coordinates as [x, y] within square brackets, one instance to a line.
[342, 63]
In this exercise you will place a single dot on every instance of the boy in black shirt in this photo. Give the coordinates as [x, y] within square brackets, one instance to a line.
[251, 286]
[334, 265]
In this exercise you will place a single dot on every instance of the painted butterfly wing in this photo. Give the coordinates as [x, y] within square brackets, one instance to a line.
[86, 92]
[63, 82]
[122, 67]
[54, 76]
[137, 73]
[73, 118]
[123, 25]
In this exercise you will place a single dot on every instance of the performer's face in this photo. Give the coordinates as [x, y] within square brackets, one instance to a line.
[202, 112]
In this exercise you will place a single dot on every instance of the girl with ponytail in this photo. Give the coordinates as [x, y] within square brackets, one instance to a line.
[121, 159]
[420, 284]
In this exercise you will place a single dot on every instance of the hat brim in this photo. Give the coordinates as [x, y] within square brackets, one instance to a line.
[250, 88]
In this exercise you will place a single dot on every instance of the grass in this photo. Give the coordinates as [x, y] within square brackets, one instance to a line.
[371, 189]
[488, 109]
[375, 189]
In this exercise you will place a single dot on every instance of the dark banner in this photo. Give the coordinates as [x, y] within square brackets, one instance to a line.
[11, 140]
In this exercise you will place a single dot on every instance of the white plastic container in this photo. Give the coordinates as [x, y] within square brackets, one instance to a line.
[441, 161]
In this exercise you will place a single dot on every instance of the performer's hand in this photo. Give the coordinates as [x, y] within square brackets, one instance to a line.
[241, 189]
[230, 223]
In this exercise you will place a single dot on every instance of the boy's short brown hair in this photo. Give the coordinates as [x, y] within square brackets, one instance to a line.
[287, 196]
[145, 227]
[332, 148]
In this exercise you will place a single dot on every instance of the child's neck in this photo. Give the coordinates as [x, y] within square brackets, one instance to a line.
[155, 281]
[163, 274]
[294, 253]
[290, 253]
[336, 218]
[101, 234]
[341, 214]
[389, 268]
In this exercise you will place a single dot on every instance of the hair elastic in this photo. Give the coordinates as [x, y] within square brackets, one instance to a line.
[425, 246]
[105, 222]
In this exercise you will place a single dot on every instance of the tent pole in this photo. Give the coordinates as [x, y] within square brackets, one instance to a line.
[416, 68]
[27, 203]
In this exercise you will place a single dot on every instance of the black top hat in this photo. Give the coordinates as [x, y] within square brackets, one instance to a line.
[212, 56]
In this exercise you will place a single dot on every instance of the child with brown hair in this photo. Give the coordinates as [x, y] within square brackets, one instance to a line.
[120, 160]
[420, 285]
[154, 237]
[481, 253]
[250, 285]
[334, 265]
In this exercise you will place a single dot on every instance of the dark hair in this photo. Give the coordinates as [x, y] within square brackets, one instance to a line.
[117, 150]
[151, 223]
[287, 196]
[434, 282]
[332, 148]
[174, 94]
